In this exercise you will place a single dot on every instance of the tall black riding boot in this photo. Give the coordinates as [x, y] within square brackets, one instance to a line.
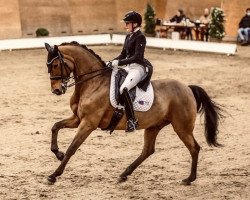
[132, 122]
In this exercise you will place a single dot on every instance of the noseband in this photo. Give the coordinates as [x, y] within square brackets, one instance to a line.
[64, 79]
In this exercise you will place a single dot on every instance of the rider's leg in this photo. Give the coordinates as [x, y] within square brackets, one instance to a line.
[134, 76]
[132, 121]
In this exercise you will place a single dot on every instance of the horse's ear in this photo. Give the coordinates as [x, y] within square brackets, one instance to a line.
[55, 48]
[48, 47]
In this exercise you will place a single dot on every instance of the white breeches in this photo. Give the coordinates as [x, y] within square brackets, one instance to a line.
[136, 73]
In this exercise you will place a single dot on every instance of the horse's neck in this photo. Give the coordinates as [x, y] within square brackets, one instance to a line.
[86, 62]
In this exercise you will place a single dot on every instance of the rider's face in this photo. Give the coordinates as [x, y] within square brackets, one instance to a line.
[128, 26]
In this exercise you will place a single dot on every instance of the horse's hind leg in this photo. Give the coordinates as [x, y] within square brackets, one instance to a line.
[71, 122]
[194, 148]
[150, 135]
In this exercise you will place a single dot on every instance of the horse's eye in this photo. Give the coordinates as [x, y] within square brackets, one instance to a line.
[55, 66]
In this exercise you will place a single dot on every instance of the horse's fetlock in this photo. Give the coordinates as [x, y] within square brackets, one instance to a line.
[54, 128]
[54, 150]
[152, 152]
[149, 153]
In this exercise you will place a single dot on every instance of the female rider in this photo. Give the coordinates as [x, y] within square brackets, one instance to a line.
[132, 60]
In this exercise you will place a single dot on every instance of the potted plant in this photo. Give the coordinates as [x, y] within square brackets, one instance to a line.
[216, 25]
[149, 18]
[40, 32]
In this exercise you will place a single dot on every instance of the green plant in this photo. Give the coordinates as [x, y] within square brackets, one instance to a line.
[216, 26]
[149, 18]
[42, 32]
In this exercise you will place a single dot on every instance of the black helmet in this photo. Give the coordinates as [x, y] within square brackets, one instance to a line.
[133, 17]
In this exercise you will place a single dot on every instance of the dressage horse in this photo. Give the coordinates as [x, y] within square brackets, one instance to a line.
[174, 103]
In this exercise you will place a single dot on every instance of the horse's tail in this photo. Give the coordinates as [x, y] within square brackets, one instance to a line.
[212, 114]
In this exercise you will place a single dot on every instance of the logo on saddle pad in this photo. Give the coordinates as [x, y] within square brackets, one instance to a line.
[143, 100]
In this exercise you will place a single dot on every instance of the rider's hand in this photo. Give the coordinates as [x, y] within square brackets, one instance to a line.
[109, 64]
[115, 63]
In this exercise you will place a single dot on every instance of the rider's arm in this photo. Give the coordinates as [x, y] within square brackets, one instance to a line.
[123, 54]
[139, 52]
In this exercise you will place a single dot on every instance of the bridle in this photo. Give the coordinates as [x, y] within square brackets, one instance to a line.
[64, 67]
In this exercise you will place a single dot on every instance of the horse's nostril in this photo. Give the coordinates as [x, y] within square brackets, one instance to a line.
[57, 92]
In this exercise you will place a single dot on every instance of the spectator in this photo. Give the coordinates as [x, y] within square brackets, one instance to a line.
[188, 29]
[178, 18]
[201, 29]
[244, 28]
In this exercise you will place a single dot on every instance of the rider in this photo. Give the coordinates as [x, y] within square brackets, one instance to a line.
[132, 60]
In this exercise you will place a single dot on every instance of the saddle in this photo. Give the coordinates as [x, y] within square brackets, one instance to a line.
[143, 84]
[142, 96]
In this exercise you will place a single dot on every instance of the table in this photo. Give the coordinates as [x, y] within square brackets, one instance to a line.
[180, 27]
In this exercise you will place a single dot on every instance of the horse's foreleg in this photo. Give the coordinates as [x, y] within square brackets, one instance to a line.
[71, 122]
[83, 132]
[150, 135]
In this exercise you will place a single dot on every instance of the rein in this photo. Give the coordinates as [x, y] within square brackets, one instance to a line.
[76, 83]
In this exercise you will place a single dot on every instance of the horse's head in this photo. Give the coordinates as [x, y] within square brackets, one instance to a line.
[59, 68]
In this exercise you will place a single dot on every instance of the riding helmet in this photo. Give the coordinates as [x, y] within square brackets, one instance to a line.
[133, 17]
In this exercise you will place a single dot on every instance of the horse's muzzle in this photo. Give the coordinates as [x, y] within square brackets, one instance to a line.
[57, 92]
[60, 90]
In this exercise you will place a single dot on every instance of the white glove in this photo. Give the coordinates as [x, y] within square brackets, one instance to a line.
[109, 64]
[115, 63]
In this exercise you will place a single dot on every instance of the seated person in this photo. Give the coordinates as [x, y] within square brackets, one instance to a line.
[202, 29]
[188, 29]
[178, 18]
[244, 27]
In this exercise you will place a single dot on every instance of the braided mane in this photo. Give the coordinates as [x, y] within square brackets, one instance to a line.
[74, 43]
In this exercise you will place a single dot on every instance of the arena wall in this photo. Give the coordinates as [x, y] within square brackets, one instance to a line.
[21, 18]
[10, 26]
[88, 17]
[50, 14]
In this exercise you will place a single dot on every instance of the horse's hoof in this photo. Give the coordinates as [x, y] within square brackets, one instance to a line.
[185, 182]
[122, 179]
[60, 155]
[51, 180]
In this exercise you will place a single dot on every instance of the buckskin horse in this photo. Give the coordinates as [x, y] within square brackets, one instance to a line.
[174, 103]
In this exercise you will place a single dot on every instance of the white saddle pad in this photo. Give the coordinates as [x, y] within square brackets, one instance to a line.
[143, 100]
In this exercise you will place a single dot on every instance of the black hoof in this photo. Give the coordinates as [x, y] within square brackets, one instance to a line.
[186, 182]
[60, 155]
[51, 180]
[122, 179]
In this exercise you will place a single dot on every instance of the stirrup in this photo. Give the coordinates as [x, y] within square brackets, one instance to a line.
[131, 125]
